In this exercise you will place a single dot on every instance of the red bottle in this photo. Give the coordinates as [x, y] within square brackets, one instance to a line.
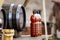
[36, 24]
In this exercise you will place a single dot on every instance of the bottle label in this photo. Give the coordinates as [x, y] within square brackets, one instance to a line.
[36, 28]
[37, 16]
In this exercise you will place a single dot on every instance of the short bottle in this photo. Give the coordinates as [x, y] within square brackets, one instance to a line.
[36, 24]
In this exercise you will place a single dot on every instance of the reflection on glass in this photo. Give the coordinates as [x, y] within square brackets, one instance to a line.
[17, 15]
[10, 15]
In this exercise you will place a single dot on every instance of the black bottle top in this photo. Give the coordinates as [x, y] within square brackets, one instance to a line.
[37, 12]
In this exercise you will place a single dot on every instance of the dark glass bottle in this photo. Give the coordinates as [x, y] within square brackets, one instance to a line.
[9, 17]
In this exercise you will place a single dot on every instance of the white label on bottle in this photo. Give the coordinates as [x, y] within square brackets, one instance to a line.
[37, 16]
[38, 27]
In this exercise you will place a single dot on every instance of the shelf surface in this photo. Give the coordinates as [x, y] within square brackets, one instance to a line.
[27, 37]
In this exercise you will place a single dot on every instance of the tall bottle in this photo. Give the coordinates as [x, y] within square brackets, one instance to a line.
[36, 24]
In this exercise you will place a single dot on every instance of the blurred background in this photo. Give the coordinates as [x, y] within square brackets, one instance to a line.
[35, 4]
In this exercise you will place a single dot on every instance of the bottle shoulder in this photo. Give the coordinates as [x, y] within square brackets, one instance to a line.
[37, 15]
[36, 18]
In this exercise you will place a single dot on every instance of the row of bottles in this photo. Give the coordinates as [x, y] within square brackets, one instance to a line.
[14, 18]
[16, 15]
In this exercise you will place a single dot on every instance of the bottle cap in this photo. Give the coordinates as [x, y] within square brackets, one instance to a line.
[36, 12]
